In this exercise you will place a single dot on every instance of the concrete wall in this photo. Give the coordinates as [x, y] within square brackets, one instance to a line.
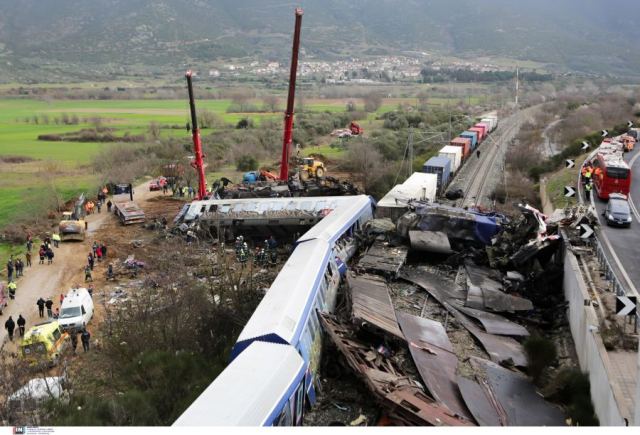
[592, 355]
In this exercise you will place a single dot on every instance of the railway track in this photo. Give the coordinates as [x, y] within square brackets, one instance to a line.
[474, 190]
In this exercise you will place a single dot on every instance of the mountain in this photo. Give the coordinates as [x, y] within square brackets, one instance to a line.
[83, 38]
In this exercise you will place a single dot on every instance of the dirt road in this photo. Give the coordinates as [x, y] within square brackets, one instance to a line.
[49, 281]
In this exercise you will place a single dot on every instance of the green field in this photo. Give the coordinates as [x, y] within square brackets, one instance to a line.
[66, 167]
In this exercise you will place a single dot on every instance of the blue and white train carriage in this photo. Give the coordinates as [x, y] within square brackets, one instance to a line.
[287, 319]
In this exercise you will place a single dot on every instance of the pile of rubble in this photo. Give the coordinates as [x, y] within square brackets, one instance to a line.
[446, 348]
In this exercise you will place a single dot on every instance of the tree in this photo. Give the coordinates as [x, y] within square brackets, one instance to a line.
[270, 103]
[372, 102]
[246, 162]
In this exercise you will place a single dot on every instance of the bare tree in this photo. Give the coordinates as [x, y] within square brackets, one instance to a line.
[372, 101]
[270, 103]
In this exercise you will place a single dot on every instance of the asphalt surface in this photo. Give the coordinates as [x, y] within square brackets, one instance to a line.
[623, 244]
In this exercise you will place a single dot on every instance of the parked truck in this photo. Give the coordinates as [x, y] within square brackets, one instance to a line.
[123, 206]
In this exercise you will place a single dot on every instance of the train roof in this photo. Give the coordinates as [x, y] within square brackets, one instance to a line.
[250, 391]
[332, 227]
[260, 205]
[280, 316]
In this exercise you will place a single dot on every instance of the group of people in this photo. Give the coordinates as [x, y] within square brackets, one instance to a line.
[265, 254]
[41, 303]
[85, 336]
[16, 265]
[98, 252]
[184, 191]
[588, 173]
[10, 326]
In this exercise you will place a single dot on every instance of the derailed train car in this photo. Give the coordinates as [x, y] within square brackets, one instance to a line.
[264, 383]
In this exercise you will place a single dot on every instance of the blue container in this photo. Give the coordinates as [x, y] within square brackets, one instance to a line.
[441, 166]
[471, 135]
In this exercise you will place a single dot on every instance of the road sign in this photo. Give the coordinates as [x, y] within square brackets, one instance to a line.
[569, 191]
[605, 133]
[569, 163]
[585, 145]
[626, 305]
[629, 124]
[585, 231]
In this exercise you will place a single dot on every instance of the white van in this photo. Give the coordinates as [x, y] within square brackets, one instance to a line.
[76, 310]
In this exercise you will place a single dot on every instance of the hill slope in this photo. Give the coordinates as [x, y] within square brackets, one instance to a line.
[113, 35]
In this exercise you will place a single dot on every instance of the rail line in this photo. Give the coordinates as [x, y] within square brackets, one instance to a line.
[473, 193]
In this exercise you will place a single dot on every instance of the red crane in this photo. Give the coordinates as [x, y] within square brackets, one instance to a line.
[288, 115]
[197, 161]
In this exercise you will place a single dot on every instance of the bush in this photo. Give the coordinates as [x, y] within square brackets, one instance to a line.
[541, 353]
[571, 387]
[246, 162]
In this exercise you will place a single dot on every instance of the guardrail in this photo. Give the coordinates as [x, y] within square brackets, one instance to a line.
[609, 273]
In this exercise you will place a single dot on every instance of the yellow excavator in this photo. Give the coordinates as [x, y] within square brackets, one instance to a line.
[311, 168]
[73, 226]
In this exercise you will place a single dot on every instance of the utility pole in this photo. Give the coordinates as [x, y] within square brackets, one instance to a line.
[517, 85]
[410, 152]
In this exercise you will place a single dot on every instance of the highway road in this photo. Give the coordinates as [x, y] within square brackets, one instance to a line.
[623, 244]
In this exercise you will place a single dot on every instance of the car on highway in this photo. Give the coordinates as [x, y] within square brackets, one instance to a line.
[617, 212]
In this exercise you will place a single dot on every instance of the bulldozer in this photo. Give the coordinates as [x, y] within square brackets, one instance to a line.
[311, 168]
[73, 226]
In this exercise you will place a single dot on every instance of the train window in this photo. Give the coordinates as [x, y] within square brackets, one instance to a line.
[285, 416]
[299, 403]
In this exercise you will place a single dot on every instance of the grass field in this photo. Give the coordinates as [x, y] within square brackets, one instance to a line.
[66, 166]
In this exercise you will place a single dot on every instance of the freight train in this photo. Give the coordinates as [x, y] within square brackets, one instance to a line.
[272, 375]
[451, 157]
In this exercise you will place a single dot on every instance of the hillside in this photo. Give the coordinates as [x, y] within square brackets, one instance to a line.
[41, 38]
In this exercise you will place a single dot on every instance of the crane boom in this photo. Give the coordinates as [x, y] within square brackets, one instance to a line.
[288, 115]
[198, 160]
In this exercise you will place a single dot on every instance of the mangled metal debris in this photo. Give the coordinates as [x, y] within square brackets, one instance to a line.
[503, 397]
[430, 241]
[383, 258]
[460, 225]
[500, 349]
[372, 304]
[435, 359]
[404, 400]
[493, 323]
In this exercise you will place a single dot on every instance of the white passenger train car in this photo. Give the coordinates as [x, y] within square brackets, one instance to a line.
[287, 318]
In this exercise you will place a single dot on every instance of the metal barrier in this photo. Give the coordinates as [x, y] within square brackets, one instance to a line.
[609, 274]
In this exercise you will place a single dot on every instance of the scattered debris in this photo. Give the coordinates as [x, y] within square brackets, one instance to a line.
[436, 362]
[514, 399]
[405, 401]
[383, 258]
[372, 304]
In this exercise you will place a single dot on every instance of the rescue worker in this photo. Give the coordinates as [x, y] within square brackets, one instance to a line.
[84, 337]
[273, 249]
[104, 248]
[478, 153]
[49, 305]
[99, 206]
[110, 272]
[40, 304]
[94, 247]
[74, 340]
[28, 257]
[90, 260]
[10, 269]
[109, 204]
[12, 287]
[21, 324]
[41, 254]
[588, 188]
[56, 313]
[10, 325]
[244, 253]
[87, 274]
[597, 173]
[56, 240]
[49, 255]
